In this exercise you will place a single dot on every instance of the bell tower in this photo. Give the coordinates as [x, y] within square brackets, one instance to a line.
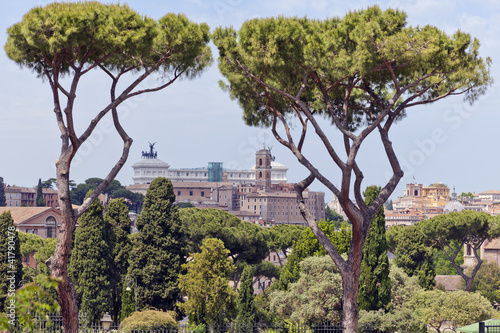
[263, 169]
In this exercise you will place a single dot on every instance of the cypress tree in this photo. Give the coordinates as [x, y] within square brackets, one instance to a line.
[40, 201]
[90, 264]
[158, 250]
[374, 283]
[11, 267]
[246, 298]
[3, 201]
[118, 225]
[127, 301]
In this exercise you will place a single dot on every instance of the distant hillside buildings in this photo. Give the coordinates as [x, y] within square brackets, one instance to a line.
[26, 197]
[260, 195]
[422, 202]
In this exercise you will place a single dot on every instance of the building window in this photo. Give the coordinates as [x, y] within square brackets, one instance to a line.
[178, 193]
[50, 227]
[260, 161]
[191, 193]
[202, 193]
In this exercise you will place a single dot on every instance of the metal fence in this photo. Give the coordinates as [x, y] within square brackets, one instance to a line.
[483, 328]
[40, 324]
[53, 324]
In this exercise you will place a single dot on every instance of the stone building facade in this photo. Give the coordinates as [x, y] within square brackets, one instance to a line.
[42, 221]
[264, 197]
[26, 197]
[149, 168]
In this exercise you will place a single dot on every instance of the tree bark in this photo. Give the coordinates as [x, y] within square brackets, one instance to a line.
[58, 263]
[350, 310]
[350, 283]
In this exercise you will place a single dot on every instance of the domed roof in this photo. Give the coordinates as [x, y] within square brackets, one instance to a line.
[453, 205]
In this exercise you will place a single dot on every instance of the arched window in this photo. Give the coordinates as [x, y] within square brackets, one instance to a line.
[260, 174]
[469, 250]
[260, 161]
[50, 227]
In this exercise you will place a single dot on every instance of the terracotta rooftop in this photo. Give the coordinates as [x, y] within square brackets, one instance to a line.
[21, 214]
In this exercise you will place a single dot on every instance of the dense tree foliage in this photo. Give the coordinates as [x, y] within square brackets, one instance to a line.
[400, 317]
[114, 190]
[281, 237]
[159, 248]
[206, 284]
[150, 319]
[442, 264]
[61, 43]
[245, 303]
[11, 267]
[315, 297]
[466, 195]
[411, 254]
[331, 215]
[451, 232]
[374, 282]
[486, 282]
[128, 300]
[363, 72]
[50, 183]
[43, 253]
[245, 240]
[34, 298]
[91, 264]
[308, 245]
[118, 224]
[42, 248]
[437, 309]
[3, 201]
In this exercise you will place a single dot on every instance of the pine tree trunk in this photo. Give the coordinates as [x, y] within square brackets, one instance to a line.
[350, 285]
[66, 295]
[58, 263]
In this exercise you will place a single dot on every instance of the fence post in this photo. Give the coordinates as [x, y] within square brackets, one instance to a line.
[481, 327]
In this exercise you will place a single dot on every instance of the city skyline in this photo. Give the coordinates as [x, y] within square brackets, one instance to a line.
[194, 122]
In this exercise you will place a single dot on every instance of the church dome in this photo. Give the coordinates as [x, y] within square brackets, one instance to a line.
[453, 205]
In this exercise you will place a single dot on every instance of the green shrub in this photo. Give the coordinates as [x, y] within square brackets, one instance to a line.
[150, 318]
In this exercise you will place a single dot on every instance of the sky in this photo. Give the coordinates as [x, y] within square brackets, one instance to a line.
[194, 122]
